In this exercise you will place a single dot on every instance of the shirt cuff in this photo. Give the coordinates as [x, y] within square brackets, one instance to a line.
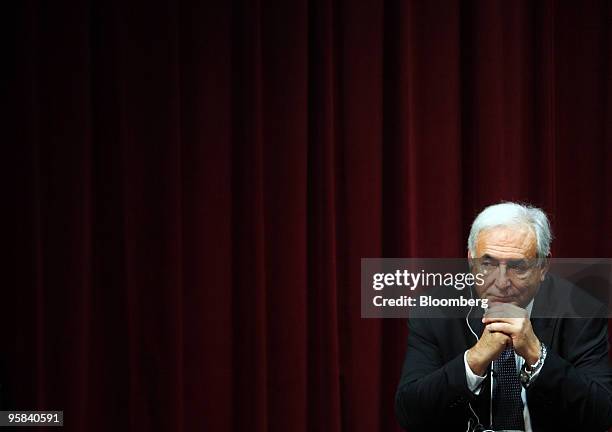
[473, 381]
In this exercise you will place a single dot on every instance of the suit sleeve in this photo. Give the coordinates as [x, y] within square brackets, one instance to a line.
[428, 386]
[578, 388]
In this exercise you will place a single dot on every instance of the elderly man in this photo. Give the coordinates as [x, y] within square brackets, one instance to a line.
[505, 370]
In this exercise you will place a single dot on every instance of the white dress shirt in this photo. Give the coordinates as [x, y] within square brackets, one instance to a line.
[474, 381]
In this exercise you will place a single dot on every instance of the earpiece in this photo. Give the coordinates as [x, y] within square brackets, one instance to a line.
[468, 316]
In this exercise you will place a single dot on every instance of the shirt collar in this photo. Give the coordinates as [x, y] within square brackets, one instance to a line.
[529, 307]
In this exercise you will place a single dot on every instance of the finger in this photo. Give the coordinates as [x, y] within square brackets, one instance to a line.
[502, 327]
[499, 335]
[488, 320]
[504, 313]
[500, 317]
[496, 311]
[497, 308]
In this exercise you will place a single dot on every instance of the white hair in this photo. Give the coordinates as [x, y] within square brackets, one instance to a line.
[513, 214]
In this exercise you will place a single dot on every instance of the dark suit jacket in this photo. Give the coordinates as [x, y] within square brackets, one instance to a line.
[572, 392]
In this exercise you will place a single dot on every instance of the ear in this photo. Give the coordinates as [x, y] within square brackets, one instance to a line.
[470, 259]
[545, 268]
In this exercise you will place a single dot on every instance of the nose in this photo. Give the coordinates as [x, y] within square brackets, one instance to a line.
[501, 280]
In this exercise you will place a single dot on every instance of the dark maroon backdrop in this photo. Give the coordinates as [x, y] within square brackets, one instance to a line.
[192, 186]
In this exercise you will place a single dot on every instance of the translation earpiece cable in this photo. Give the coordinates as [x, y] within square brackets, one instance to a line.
[491, 394]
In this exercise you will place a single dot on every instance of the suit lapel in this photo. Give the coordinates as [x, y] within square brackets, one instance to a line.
[544, 307]
[544, 329]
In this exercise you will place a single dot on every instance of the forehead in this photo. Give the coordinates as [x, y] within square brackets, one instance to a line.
[514, 242]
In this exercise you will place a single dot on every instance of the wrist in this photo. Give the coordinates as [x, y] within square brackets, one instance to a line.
[529, 373]
[533, 354]
[476, 362]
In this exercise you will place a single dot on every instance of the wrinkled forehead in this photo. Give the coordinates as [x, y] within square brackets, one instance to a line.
[507, 242]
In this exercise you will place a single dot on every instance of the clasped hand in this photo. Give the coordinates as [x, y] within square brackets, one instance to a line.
[505, 325]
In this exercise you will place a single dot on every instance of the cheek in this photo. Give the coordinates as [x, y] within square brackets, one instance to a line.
[482, 289]
[529, 287]
[488, 282]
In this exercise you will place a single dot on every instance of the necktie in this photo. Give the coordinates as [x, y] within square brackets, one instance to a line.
[507, 402]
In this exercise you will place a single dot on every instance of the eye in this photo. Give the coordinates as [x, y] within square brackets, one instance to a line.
[520, 269]
[488, 264]
[519, 266]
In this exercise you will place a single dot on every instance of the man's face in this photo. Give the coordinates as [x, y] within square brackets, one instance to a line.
[507, 258]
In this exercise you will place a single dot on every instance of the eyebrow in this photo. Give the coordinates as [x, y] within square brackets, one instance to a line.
[487, 256]
[508, 262]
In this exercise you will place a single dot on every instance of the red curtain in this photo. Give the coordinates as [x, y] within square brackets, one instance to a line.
[192, 186]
